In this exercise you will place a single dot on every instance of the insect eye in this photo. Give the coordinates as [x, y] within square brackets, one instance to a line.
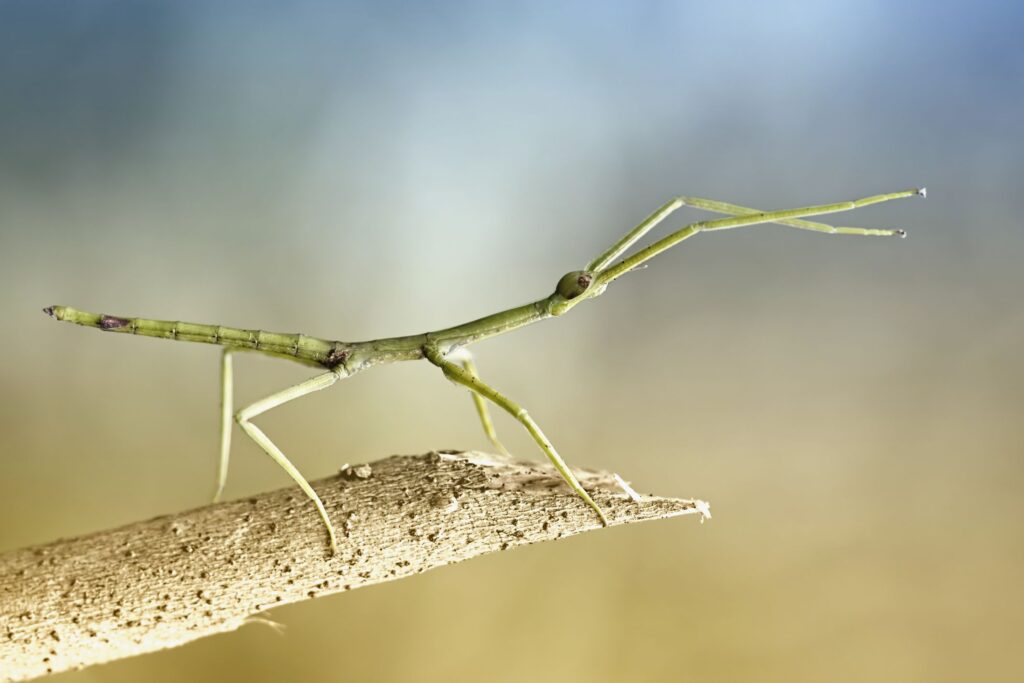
[573, 284]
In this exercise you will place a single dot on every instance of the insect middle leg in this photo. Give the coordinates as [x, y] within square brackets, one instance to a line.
[469, 366]
[244, 416]
[472, 382]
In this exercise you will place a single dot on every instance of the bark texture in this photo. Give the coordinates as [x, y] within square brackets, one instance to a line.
[167, 581]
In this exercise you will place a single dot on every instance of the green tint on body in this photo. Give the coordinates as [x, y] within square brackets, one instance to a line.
[446, 348]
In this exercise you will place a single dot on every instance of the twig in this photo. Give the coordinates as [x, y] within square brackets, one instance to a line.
[167, 581]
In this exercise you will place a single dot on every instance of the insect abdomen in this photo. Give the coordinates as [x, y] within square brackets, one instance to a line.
[298, 346]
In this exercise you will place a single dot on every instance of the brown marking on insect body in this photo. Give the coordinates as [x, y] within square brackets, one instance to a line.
[335, 357]
[110, 322]
[574, 284]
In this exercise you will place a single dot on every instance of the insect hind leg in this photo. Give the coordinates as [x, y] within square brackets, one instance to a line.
[226, 418]
[246, 414]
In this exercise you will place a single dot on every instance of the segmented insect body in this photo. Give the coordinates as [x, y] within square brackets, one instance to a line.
[446, 348]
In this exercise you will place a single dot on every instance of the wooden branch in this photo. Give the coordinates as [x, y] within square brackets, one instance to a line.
[167, 581]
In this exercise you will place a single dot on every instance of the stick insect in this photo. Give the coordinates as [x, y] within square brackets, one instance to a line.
[446, 348]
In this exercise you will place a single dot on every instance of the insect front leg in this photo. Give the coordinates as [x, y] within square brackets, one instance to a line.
[737, 210]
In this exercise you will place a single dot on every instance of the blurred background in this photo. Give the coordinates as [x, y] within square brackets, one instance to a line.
[849, 406]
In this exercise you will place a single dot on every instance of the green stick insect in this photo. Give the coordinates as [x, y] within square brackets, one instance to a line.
[446, 348]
